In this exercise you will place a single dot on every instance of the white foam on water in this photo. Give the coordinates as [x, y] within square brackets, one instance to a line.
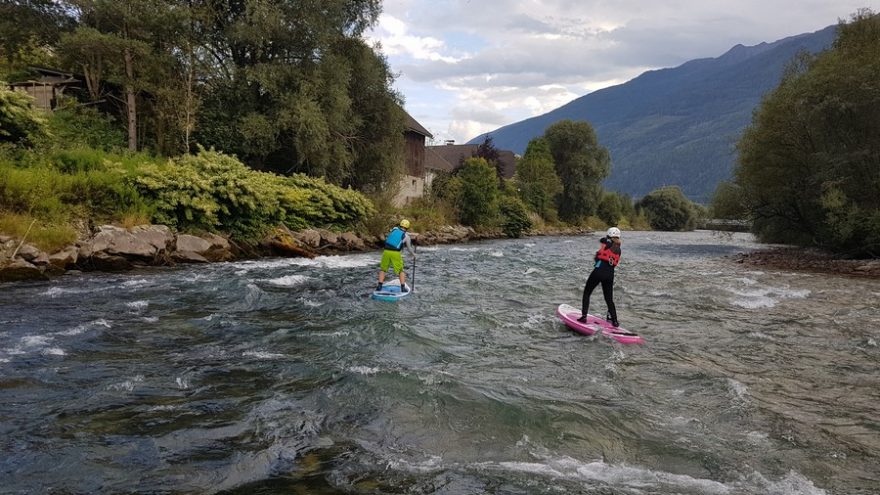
[349, 261]
[738, 388]
[757, 436]
[761, 336]
[53, 351]
[570, 469]
[464, 249]
[289, 280]
[793, 483]
[4, 360]
[872, 342]
[263, 355]
[310, 303]
[127, 385]
[138, 305]
[529, 271]
[496, 254]
[85, 327]
[137, 282]
[529, 244]
[150, 319]
[765, 297]
[363, 370]
[36, 340]
[182, 383]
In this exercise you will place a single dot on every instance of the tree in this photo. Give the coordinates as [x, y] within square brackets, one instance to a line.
[19, 122]
[668, 209]
[728, 202]
[477, 202]
[581, 164]
[514, 216]
[808, 163]
[536, 179]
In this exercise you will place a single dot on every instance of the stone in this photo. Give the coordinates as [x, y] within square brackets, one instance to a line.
[188, 257]
[309, 237]
[18, 269]
[328, 238]
[64, 258]
[191, 243]
[108, 262]
[28, 252]
[158, 236]
[352, 241]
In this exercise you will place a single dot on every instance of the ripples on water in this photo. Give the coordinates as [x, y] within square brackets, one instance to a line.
[281, 376]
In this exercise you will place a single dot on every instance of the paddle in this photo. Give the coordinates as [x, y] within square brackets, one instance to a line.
[412, 285]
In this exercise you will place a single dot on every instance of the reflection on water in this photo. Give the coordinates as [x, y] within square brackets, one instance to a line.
[282, 376]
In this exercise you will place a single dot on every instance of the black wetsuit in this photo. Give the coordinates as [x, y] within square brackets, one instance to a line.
[603, 273]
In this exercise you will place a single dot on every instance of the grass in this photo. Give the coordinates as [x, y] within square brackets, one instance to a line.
[49, 237]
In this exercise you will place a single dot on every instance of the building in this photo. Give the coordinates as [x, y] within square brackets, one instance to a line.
[413, 182]
[445, 158]
[47, 86]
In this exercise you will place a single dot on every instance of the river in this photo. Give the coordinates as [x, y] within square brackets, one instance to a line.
[282, 376]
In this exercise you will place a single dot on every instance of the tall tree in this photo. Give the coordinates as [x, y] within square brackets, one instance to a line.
[536, 179]
[479, 192]
[808, 163]
[581, 164]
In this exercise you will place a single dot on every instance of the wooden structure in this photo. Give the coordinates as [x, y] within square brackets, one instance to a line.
[47, 86]
[413, 183]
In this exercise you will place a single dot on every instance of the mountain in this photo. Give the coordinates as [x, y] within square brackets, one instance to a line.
[675, 126]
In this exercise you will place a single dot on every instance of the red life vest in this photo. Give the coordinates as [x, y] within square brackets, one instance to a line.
[608, 256]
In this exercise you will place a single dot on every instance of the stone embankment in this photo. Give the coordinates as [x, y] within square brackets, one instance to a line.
[809, 260]
[112, 248]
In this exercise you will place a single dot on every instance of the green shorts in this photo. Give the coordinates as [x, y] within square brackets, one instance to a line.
[392, 259]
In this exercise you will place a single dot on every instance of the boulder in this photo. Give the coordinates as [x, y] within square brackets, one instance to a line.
[191, 243]
[29, 253]
[18, 269]
[309, 237]
[64, 258]
[188, 257]
[158, 236]
[146, 246]
[220, 250]
[351, 241]
[328, 238]
[105, 261]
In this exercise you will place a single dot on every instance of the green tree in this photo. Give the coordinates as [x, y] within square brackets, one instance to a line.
[19, 122]
[808, 163]
[536, 179]
[728, 202]
[667, 208]
[514, 216]
[581, 164]
[477, 202]
[614, 207]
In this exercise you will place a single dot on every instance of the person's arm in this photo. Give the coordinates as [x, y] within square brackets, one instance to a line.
[408, 242]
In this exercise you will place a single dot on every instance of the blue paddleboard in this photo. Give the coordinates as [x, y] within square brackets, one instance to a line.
[391, 291]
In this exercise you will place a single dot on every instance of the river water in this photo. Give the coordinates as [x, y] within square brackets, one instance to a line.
[282, 376]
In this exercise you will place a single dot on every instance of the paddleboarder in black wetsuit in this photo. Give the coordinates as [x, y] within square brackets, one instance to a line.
[606, 259]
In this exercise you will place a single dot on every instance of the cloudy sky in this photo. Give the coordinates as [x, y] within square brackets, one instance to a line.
[470, 66]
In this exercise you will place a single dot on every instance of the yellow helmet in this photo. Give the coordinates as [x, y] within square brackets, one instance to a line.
[404, 223]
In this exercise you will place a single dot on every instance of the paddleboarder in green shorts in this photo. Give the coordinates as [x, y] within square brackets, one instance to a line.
[391, 258]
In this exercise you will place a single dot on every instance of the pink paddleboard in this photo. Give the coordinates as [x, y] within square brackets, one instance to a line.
[570, 315]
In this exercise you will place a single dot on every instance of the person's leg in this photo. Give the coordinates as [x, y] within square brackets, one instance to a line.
[608, 292]
[592, 282]
[383, 267]
[397, 262]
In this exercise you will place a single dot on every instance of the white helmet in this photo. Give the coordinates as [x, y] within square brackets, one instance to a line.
[613, 232]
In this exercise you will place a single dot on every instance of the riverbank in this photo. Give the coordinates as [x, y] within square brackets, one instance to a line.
[808, 260]
[112, 248]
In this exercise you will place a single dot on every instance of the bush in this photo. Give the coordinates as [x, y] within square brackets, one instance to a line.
[514, 217]
[477, 202]
[20, 123]
[74, 125]
[212, 191]
[667, 208]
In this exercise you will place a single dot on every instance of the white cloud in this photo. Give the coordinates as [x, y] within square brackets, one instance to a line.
[495, 63]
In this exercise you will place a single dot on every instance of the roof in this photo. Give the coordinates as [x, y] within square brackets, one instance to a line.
[447, 157]
[412, 125]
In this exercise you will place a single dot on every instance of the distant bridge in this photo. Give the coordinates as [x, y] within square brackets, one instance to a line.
[727, 225]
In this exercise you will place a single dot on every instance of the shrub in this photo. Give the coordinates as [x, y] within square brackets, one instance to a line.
[19, 121]
[514, 217]
[667, 208]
